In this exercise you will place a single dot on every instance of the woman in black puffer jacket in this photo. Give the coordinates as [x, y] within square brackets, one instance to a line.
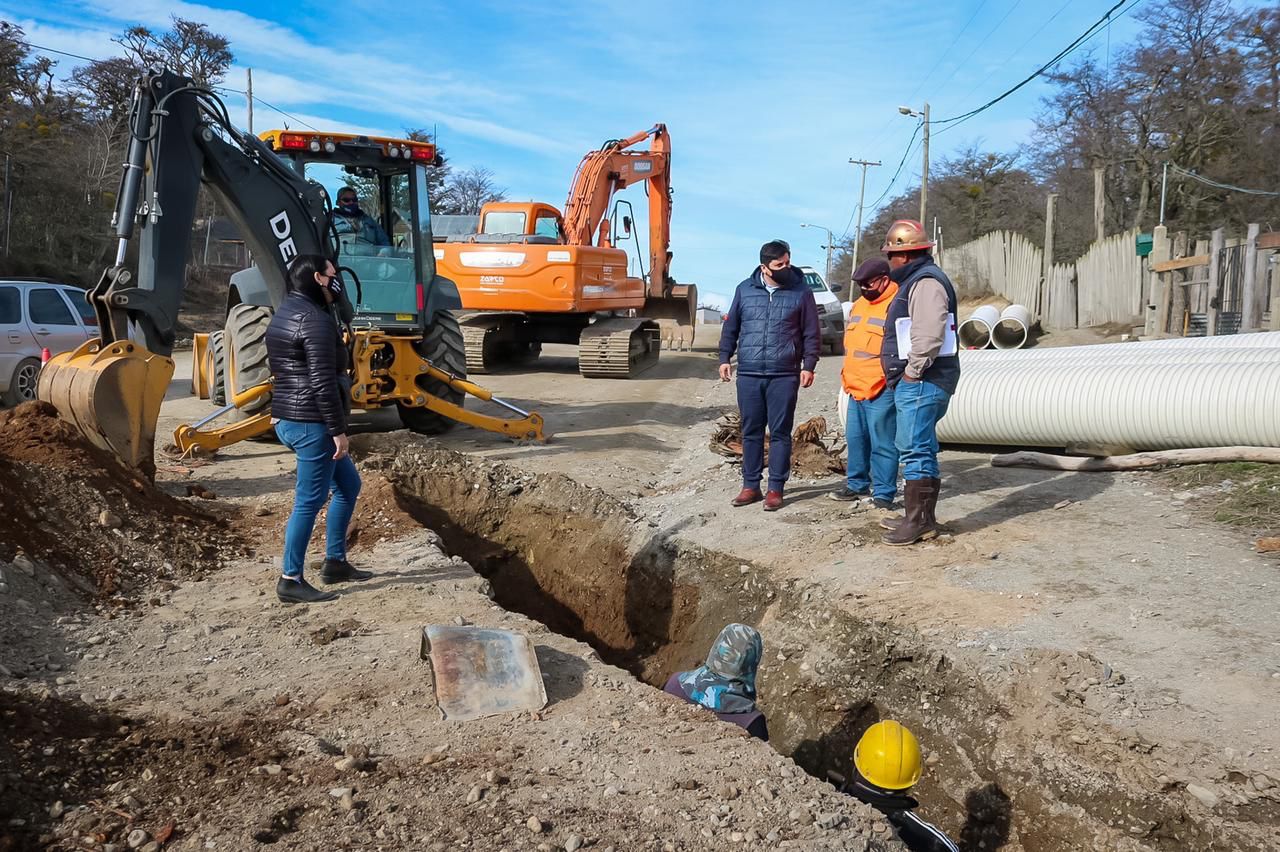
[309, 406]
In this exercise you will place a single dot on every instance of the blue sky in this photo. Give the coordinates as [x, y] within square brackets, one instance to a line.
[765, 102]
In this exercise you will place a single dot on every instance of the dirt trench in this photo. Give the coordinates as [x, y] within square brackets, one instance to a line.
[1003, 771]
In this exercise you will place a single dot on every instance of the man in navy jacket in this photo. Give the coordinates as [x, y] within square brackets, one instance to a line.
[773, 326]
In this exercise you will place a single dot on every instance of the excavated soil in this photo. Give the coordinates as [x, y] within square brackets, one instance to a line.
[1003, 769]
[69, 506]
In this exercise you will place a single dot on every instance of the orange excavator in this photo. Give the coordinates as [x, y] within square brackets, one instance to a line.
[528, 275]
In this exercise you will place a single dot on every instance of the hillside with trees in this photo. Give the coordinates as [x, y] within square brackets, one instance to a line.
[1198, 87]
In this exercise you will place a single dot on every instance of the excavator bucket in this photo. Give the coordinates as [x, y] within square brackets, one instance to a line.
[675, 315]
[112, 395]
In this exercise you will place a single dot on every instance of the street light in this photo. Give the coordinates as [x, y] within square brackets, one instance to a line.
[830, 240]
[923, 115]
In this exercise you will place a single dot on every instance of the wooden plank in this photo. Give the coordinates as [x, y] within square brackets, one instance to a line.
[1181, 263]
[1270, 240]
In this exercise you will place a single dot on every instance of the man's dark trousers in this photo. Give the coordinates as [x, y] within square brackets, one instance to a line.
[771, 401]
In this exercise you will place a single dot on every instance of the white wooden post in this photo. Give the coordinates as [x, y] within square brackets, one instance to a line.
[1216, 244]
[1251, 304]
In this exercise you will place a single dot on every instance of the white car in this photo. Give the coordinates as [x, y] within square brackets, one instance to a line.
[38, 314]
[830, 313]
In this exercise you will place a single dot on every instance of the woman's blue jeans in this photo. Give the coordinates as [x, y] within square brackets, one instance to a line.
[318, 477]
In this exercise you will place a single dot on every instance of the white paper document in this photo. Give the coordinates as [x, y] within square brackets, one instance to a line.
[902, 328]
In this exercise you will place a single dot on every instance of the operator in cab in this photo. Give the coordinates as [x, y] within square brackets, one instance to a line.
[349, 218]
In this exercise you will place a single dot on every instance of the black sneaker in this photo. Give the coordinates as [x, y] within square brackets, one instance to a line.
[300, 591]
[845, 494]
[342, 571]
[882, 504]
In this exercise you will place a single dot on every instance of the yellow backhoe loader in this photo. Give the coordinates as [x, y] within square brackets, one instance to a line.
[407, 349]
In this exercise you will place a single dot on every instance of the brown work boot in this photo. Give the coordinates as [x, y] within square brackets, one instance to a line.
[747, 496]
[919, 523]
[893, 522]
[773, 501]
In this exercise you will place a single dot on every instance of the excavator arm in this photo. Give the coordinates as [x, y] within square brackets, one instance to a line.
[179, 137]
[601, 174]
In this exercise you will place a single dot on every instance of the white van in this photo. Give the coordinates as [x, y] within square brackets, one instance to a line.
[830, 312]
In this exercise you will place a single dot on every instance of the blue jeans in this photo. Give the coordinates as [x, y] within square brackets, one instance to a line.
[318, 477]
[767, 401]
[870, 430]
[920, 406]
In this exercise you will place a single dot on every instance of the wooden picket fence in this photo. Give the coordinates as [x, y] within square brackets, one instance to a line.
[1103, 286]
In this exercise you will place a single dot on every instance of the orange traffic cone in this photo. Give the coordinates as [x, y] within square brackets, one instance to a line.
[44, 356]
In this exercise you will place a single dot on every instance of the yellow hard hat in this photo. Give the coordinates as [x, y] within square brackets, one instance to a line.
[888, 756]
[906, 235]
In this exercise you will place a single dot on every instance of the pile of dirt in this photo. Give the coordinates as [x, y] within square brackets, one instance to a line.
[812, 457]
[71, 506]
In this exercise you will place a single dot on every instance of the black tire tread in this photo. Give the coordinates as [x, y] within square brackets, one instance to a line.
[443, 346]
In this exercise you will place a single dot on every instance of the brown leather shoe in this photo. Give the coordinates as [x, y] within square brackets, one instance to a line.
[747, 496]
[919, 523]
[773, 501]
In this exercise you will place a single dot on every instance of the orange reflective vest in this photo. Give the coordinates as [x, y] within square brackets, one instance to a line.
[862, 374]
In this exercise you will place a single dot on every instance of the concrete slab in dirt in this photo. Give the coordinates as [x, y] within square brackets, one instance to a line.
[481, 672]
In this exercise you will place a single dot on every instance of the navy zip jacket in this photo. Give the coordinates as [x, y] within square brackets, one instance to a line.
[774, 334]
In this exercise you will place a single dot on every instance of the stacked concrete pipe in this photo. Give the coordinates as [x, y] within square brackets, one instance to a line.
[1012, 330]
[975, 332]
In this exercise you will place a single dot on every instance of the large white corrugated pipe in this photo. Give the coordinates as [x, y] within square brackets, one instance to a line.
[1012, 329]
[996, 359]
[975, 332]
[1156, 405]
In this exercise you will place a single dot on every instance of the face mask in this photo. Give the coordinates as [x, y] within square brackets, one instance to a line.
[782, 277]
[350, 208]
[334, 286]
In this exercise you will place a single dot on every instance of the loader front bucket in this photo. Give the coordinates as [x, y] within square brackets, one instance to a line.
[112, 395]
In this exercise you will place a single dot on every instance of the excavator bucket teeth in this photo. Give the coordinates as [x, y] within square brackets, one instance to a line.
[112, 395]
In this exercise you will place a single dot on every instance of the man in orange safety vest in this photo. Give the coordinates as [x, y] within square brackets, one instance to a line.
[870, 424]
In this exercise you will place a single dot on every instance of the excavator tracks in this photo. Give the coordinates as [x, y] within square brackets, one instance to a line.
[493, 341]
[473, 338]
[618, 348]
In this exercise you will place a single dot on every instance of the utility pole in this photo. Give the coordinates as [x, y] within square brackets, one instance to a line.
[862, 193]
[1050, 207]
[8, 200]
[248, 73]
[1099, 204]
[923, 115]
[830, 240]
[1164, 187]
[924, 171]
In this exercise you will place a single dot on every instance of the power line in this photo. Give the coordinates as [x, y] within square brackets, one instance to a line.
[893, 180]
[942, 57]
[964, 62]
[266, 104]
[44, 49]
[241, 92]
[1021, 47]
[1093, 30]
[1227, 186]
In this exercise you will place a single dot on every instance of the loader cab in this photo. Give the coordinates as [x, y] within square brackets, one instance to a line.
[385, 253]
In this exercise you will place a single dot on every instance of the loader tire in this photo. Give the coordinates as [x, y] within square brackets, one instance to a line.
[443, 346]
[216, 369]
[245, 340]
